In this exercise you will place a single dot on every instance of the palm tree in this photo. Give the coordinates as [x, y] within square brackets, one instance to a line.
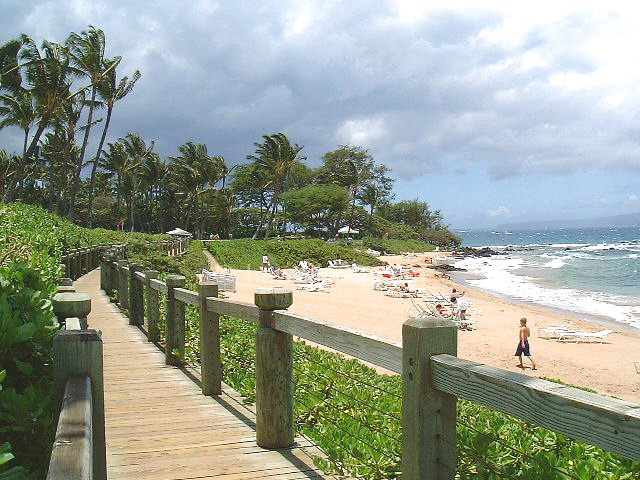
[18, 110]
[110, 91]
[276, 157]
[86, 53]
[138, 152]
[47, 75]
[195, 172]
[116, 162]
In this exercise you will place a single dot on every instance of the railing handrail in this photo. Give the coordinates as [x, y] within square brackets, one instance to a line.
[607, 423]
[72, 454]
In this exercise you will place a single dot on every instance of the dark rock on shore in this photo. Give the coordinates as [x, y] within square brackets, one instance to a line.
[476, 252]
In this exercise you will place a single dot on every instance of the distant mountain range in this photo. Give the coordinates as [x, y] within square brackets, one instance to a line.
[629, 220]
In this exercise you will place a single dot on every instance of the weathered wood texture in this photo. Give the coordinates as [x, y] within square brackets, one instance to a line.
[158, 286]
[274, 374]
[174, 322]
[123, 284]
[187, 296]
[160, 426]
[242, 310]
[428, 415]
[136, 296]
[79, 352]
[369, 348]
[210, 365]
[607, 423]
[153, 306]
[72, 454]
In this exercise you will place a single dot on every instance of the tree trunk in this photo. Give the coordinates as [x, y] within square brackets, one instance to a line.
[271, 217]
[262, 215]
[131, 209]
[370, 218]
[13, 182]
[75, 185]
[94, 168]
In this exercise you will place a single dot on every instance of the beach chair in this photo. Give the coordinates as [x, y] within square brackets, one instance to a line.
[585, 336]
[548, 333]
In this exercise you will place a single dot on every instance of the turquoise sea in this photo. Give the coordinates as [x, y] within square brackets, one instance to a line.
[588, 271]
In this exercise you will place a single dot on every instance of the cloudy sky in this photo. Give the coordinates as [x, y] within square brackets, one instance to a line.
[516, 111]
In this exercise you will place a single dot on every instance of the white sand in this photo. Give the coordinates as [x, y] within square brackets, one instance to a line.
[607, 368]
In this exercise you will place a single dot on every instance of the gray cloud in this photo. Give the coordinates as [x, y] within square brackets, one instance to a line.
[420, 93]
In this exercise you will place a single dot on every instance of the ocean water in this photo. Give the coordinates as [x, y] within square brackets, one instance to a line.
[588, 271]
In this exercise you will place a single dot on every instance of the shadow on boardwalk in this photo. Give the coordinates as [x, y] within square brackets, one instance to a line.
[160, 426]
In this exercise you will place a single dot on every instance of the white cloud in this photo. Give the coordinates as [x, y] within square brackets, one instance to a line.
[509, 87]
[500, 211]
[632, 199]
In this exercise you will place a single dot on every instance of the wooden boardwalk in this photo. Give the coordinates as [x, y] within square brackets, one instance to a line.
[158, 424]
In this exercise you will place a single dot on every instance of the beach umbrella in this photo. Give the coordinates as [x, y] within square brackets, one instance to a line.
[179, 232]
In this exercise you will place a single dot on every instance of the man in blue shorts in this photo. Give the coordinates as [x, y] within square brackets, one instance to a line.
[523, 343]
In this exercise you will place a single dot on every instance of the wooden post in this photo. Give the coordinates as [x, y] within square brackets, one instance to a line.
[79, 352]
[274, 372]
[123, 284]
[136, 296]
[153, 307]
[428, 415]
[210, 365]
[104, 272]
[84, 256]
[174, 324]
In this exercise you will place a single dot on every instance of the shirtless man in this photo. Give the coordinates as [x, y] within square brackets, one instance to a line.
[523, 344]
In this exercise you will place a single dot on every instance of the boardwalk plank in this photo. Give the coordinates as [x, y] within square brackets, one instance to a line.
[160, 427]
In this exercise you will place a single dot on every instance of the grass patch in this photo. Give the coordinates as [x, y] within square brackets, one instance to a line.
[396, 246]
[284, 253]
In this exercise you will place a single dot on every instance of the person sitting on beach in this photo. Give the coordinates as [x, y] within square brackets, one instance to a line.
[279, 273]
[523, 344]
[442, 311]
[461, 313]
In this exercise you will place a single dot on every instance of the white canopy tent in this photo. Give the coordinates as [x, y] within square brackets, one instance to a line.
[346, 229]
[178, 232]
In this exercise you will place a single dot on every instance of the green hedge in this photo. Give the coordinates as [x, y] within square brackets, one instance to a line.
[284, 253]
[394, 246]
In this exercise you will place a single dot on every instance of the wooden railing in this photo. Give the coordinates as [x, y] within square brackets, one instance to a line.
[80, 261]
[433, 376]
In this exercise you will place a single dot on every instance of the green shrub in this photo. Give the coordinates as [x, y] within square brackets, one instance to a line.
[394, 246]
[27, 326]
[284, 253]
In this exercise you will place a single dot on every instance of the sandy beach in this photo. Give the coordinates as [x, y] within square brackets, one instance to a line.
[607, 368]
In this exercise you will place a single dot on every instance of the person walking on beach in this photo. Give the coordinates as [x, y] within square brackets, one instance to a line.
[265, 263]
[523, 344]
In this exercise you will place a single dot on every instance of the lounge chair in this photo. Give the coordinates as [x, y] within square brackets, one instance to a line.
[585, 336]
[556, 331]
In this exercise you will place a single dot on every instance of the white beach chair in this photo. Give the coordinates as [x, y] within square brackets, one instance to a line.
[585, 336]
[556, 331]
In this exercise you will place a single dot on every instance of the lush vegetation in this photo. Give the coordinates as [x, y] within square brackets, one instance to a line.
[287, 253]
[56, 94]
[396, 246]
[33, 241]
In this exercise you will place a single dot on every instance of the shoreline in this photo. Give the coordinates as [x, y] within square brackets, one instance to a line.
[459, 278]
[352, 302]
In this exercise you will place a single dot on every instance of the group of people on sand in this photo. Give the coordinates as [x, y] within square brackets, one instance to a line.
[458, 310]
